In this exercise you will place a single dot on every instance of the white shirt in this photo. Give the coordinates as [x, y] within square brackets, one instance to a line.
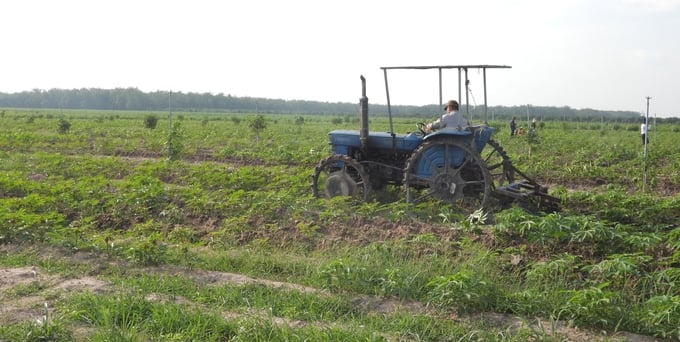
[451, 120]
[643, 129]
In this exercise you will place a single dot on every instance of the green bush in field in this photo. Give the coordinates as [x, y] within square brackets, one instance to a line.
[64, 126]
[257, 125]
[175, 144]
[150, 121]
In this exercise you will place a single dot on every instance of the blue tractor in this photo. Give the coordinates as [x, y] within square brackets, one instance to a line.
[461, 166]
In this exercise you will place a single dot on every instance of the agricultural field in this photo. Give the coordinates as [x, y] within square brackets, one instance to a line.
[141, 226]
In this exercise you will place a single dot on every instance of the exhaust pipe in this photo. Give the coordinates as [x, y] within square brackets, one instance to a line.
[363, 119]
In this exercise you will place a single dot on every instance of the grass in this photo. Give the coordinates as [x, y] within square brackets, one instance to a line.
[227, 243]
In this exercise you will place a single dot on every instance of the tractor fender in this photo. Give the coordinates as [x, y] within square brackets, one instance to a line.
[477, 136]
[447, 132]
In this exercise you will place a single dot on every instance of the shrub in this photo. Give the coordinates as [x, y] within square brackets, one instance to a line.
[64, 126]
[258, 125]
[174, 143]
[150, 121]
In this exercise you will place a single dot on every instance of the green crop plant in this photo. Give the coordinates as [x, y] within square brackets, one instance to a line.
[527, 302]
[648, 242]
[148, 249]
[661, 282]
[73, 237]
[559, 272]
[24, 226]
[660, 315]
[63, 126]
[620, 270]
[595, 305]
[257, 125]
[174, 144]
[396, 282]
[339, 274]
[465, 291]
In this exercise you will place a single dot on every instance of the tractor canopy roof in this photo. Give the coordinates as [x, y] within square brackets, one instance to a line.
[462, 72]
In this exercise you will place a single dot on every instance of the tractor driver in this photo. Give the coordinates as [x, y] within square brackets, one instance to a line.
[451, 119]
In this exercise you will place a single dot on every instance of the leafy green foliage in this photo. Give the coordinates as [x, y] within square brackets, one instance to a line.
[174, 143]
[608, 260]
[63, 126]
[465, 290]
[23, 225]
[595, 305]
[258, 124]
[661, 315]
[150, 121]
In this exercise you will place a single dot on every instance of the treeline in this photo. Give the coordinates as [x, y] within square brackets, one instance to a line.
[134, 99]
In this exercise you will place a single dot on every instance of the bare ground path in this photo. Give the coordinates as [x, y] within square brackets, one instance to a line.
[15, 307]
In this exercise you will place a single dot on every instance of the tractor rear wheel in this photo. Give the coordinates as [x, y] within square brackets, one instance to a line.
[340, 175]
[450, 171]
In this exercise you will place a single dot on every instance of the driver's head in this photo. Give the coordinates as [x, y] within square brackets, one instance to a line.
[451, 105]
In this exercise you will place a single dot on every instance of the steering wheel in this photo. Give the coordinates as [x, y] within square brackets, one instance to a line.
[422, 127]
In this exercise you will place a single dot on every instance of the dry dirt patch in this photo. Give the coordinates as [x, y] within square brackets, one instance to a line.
[15, 307]
[31, 307]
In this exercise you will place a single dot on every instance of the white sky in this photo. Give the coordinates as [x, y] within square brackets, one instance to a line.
[600, 54]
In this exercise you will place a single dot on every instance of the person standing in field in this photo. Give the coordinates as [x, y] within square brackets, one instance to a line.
[533, 123]
[513, 127]
[643, 133]
[450, 119]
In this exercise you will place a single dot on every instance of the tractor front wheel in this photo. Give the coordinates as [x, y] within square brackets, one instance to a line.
[340, 175]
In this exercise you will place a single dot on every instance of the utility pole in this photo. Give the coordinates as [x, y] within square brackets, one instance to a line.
[170, 124]
[646, 131]
[528, 121]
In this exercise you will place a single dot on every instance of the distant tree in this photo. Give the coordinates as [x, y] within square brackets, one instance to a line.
[258, 125]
